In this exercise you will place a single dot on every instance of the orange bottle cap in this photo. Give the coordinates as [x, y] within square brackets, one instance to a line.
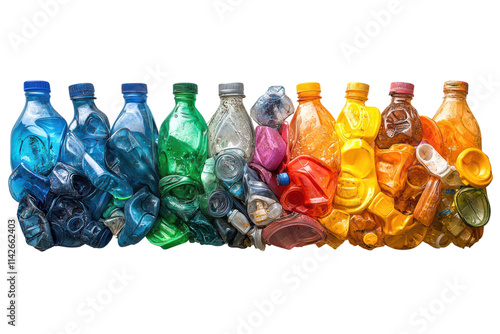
[474, 168]
[308, 87]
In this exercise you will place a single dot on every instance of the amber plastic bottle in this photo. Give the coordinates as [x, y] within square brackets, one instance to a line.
[457, 123]
[400, 120]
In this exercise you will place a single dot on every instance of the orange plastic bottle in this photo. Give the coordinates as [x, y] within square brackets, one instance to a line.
[312, 129]
[392, 166]
[417, 178]
[457, 123]
[432, 134]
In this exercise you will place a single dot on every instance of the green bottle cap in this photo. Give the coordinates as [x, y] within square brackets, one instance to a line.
[473, 206]
[185, 87]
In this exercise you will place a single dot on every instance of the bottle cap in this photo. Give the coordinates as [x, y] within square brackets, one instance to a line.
[37, 85]
[402, 87]
[358, 86]
[308, 87]
[283, 179]
[185, 87]
[456, 85]
[370, 239]
[235, 88]
[139, 88]
[474, 167]
[473, 206]
[81, 89]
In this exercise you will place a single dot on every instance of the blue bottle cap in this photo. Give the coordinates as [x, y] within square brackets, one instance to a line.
[81, 89]
[283, 179]
[37, 86]
[134, 88]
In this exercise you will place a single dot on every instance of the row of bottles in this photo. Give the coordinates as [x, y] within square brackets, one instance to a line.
[393, 178]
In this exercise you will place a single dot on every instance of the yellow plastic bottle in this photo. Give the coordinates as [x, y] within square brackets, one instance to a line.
[357, 184]
[336, 225]
[356, 120]
[400, 231]
[357, 127]
[312, 128]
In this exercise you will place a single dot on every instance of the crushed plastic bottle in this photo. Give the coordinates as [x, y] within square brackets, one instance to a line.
[400, 231]
[270, 148]
[417, 178]
[474, 168]
[357, 183]
[365, 231]
[272, 108]
[431, 134]
[473, 206]
[34, 224]
[392, 166]
[132, 150]
[295, 230]
[262, 205]
[400, 120]
[23, 181]
[183, 146]
[229, 169]
[312, 129]
[437, 166]
[336, 226]
[428, 203]
[457, 123]
[168, 231]
[356, 120]
[231, 127]
[141, 212]
[38, 134]
[203, 232]
[310, 187]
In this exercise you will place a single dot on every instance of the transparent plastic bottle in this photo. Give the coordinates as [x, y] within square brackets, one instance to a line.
[132, 149]
[312, 128]
[38, 134]
[231, 127]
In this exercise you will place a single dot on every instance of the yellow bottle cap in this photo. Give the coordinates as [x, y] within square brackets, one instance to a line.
[474, 168]
[370, 239]
[308, 87]
[358, 86]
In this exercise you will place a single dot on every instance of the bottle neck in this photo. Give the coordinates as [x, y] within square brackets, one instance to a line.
[356, 97]
[37, 96]
[309, 96]
[401, 98]
[135, 97]
[187, 99]
[80, 101]
[232, 96]
[455, 94]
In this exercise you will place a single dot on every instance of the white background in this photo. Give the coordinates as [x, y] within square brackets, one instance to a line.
[203, 289]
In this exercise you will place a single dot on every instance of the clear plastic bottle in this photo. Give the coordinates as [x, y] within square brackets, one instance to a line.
[231, 127]
[37, 136]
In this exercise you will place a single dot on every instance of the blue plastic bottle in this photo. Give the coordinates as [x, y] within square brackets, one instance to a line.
[38, 133]
[89, 124]
[132, 150]
[85, 142]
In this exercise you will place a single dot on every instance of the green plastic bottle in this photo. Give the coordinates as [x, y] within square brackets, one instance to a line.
[183, 137]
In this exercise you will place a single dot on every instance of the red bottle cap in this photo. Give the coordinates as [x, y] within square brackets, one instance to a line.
[402, 87]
